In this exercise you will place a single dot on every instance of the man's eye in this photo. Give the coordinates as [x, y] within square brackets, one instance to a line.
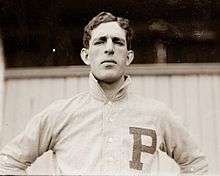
[98, 42]
[119, 43]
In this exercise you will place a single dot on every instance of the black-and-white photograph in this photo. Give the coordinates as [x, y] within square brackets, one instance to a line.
[110, 87]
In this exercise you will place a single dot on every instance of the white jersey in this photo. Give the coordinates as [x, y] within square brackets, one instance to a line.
[92, 135]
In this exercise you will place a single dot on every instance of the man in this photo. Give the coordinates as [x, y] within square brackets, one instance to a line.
[106, 131]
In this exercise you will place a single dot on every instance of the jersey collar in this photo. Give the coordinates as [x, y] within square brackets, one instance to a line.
[97, 92]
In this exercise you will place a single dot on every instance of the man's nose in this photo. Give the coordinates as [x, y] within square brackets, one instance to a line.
[109, 49]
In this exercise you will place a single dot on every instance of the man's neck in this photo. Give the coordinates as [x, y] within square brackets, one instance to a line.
[111, 88]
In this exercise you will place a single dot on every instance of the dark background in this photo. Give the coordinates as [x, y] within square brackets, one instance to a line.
[31, 29]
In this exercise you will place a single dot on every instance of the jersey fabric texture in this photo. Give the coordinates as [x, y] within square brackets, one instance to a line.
[90, 134]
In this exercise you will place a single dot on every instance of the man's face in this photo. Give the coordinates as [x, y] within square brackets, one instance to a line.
[107, 52]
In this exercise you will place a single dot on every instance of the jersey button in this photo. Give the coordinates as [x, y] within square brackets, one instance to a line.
[109, 103]
[110, 119]
[5, 157]
[192, 169]
[110, 159]
[110, 140]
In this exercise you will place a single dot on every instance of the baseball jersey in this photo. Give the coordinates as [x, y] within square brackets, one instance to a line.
[90, 134]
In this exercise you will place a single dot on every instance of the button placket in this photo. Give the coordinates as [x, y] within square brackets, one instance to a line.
[108, 152]
[109, 112]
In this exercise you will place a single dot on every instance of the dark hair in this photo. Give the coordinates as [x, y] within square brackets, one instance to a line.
[105, 17]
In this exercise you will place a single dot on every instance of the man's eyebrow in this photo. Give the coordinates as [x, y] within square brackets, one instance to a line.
[100, 38]
[103, 38]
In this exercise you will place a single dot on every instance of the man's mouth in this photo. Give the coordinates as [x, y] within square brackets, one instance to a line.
[109, 61]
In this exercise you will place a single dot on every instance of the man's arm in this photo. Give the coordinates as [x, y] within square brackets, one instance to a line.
[23, 150]
[179, 145]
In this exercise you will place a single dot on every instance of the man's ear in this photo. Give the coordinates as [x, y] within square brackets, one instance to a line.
[130, 57]
[84, 56]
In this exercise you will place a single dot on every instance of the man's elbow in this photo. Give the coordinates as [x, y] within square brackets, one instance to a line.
[9, 166]
[197, 166]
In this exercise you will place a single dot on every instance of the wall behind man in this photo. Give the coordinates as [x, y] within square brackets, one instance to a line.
[194, 95]
[1, 83]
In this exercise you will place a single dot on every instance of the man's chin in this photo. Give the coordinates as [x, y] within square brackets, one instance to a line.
[109, 79]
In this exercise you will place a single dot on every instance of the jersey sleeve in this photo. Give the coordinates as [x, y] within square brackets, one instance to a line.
[180, 146]
[24, 149]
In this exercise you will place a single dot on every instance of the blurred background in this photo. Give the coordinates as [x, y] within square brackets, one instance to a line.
[49, 33]
[177, 61]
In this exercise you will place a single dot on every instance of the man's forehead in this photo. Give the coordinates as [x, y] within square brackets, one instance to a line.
[112, 29]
